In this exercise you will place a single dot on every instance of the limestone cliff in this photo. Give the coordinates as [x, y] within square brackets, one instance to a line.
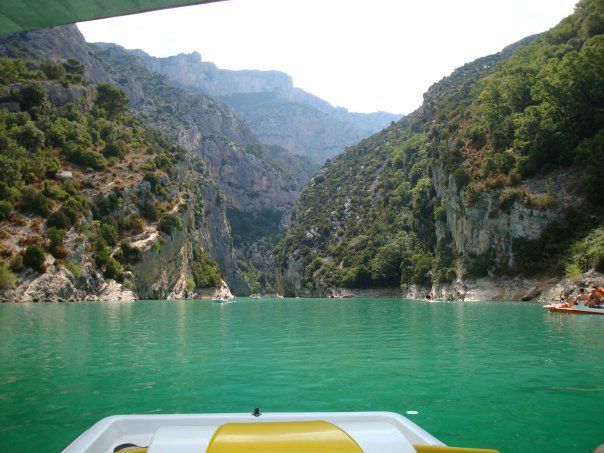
[258, 182]
[158, 263]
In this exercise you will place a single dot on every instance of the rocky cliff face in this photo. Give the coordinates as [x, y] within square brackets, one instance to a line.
[490, 223]
[277, 112]
[483, 226]
[165, 267]
[189, 69]
[237, 161]
[164, 262]
[56, 44]
[235, 172]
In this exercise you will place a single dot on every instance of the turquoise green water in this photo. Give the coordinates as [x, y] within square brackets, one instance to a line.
[503, 375]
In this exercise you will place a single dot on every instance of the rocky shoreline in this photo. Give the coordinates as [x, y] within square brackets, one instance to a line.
[60, 285]
[544, 289]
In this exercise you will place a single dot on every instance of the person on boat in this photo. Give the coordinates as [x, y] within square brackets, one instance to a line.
[583, 296]
[596, 296]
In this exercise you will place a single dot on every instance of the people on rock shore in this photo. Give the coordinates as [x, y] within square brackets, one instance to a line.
[593, 299]
[596, 296]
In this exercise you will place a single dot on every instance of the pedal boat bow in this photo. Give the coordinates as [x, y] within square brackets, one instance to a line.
[327, 432]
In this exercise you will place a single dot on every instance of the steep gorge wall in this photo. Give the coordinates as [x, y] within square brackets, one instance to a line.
[254, 180]
[247, 178]
[484, 226]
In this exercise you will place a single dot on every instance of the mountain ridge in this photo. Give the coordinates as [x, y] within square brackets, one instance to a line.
[278, 113]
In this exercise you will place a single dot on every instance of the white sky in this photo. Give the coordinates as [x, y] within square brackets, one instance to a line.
[365, 55]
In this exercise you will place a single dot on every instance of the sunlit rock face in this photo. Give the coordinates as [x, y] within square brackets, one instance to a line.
[484, 226]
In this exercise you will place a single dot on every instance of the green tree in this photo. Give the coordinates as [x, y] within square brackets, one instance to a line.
[206, 273]
[55, 237]
[6, 208]
[115, 149]
[385, 266]
[74, 70]
[421, 270]
[109, 233]
[169, 223]
[35, 201]
[52, 70]
[31, 95]
[590, 155]
[421, 197]
[357, 277]
[29, 136]
[495, 112]
[34, 257]
[111, 99]
[59, 220]
[11, 70]
[8, 280]
[113, 269]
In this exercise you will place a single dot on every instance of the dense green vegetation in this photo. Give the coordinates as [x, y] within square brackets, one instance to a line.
[371, 216]
[205, 271]
[97, 140]
[365, 235]
[251, 226]
[538, 110]
[259, 281]
[263, 229]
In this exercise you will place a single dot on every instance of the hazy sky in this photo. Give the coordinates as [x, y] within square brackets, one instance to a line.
[366, 55]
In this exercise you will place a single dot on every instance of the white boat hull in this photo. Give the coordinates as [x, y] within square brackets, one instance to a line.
[375, 432]
[574, 310]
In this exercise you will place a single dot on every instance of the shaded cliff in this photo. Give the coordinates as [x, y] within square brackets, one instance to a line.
[277, 112]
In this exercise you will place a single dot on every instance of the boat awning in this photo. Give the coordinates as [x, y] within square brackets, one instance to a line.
[22, 15]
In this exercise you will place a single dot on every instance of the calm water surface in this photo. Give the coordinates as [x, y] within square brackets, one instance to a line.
[502, 375]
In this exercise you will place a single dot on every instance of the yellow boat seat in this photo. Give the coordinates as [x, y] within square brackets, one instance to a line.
[282, 437]
[299, 437]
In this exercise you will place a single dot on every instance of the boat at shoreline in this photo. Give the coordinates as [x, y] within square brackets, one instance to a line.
[574, 309]
[370, 432]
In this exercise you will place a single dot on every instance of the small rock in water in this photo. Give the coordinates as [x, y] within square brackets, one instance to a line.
[412, 412]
